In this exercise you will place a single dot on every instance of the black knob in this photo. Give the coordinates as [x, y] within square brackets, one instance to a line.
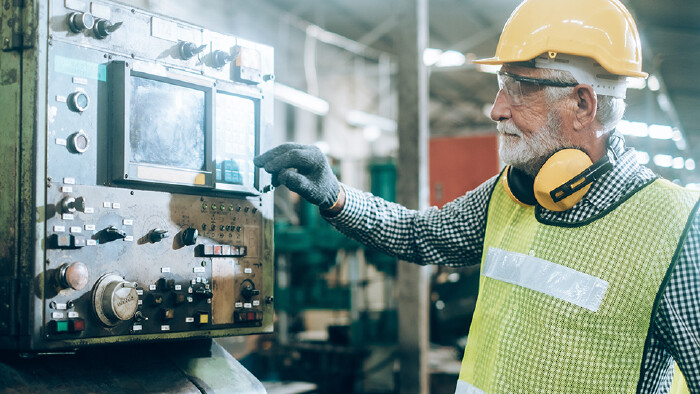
[103, 28]
[203, 292]
[78, 101]
[138, 316]
[221, 58]
[70, 204]
[189, 236]
[189, 49]
[111, 233]
[249, 292]
[80, 21]
[157, 235]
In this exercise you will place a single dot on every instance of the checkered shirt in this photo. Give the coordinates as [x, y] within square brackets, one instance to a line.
[454, 236]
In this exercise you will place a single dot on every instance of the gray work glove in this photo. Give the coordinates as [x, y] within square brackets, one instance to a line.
[313, 179]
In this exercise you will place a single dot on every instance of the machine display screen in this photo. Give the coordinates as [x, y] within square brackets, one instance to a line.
[235, 139]
[167, 124]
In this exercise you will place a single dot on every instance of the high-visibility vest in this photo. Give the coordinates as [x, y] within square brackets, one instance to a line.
[566, 308]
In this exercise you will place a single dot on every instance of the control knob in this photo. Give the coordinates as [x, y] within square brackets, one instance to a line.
[71, 204]
[189, 236]
[110, 233]
[80, 21]
[188, 49]
[104, 28]
[249, 292]
[221, 58]
[114, 299]
[78, 142]
[73, 276]
[78, 101]
[157, 235]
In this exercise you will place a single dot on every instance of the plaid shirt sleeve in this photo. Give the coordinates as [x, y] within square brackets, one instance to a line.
[452, 235]
[676, 325]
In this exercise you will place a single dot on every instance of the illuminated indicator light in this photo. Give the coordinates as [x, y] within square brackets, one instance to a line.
[217, 250]
[204, 206]
[222, 207]
[77, 325]
[213, 206]
[60, 326]
[230, 207]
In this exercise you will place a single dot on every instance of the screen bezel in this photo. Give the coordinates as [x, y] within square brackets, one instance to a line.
[126, 171]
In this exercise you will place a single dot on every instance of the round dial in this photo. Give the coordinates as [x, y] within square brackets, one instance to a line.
[79, 142]
[78, 101]
[114, 299]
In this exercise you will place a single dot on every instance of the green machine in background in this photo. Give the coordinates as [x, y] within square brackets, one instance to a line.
[305, 254]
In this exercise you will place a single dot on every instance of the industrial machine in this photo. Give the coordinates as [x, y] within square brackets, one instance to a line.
[130, 208]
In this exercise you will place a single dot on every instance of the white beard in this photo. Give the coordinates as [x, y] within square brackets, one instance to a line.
[529, 153]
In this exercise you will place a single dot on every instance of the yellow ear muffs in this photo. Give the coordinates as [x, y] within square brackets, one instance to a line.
[518, 186]
[562, 182]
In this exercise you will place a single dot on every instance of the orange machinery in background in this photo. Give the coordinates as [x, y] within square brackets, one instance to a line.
[459, 164]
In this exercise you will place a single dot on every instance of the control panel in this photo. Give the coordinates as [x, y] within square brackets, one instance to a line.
[152, 223]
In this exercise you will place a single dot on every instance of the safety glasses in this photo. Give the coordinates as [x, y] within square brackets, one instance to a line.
[518, 87]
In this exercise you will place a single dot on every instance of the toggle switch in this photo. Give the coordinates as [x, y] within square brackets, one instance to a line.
[104, 28]
[188, 50]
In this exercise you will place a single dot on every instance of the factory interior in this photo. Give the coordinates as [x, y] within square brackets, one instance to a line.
[388, 92]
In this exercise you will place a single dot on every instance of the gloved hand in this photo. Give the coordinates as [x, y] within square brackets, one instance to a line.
[313, 179]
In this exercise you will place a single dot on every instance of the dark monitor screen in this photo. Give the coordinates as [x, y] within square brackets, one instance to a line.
[235, 139]
[167, 124]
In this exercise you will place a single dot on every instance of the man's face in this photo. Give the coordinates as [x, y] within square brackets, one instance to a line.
[530, 130]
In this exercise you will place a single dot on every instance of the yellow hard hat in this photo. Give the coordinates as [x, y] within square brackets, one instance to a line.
[599, 29]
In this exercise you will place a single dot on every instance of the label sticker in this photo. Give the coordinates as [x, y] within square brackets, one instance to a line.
[89, 227]
[80, 68]
[89, 210]
[248, 270]
[178, 287]
[73, 315]
[199, 269]
[106, 204]
[128, 222]
[61, 141]
[165, 328]
[101, 11]
[129, 238]
[67, 216]
[61, 306]
[59, 229]
[69, 181]
[116, 205]
[152, 287]
[139, 291]
[256, 303]
[76, 229]
[140, 302]
[57, 315]
[189, 290]
[239, 305]
[190, 299]
[248, 305]
[66, 189]
[137, 327]
[80, 81]
[91, 242]
[165, 270]
[189, 320]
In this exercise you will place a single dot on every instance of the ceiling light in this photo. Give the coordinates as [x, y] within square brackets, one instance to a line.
[303, 100]
[636, 129]
[653, 83]
[663, 160]
[642, 157]
[451, 59]
[636, 83]
[690, 164]
[431, 56]
[660, 132]
[678, 163]
[364, 119]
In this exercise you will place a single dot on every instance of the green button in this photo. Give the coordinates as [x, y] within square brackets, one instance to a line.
[213, 206]
[62, 326]
[204, 206]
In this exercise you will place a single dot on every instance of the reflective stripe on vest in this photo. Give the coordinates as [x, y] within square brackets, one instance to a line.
[568, 308]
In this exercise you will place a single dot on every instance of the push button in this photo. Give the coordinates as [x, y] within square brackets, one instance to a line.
[202, 318]
[58, 327]
[76, 325]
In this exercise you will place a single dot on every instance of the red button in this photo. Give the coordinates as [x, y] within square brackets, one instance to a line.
[251, 316]
[217, 250]
[76, 325]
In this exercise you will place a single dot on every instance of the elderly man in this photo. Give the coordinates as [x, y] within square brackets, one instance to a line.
[590, 264]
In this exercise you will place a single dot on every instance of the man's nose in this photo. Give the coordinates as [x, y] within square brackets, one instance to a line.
[501, 108]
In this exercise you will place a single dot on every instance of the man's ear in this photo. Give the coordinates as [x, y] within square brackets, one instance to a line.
[586, 104]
